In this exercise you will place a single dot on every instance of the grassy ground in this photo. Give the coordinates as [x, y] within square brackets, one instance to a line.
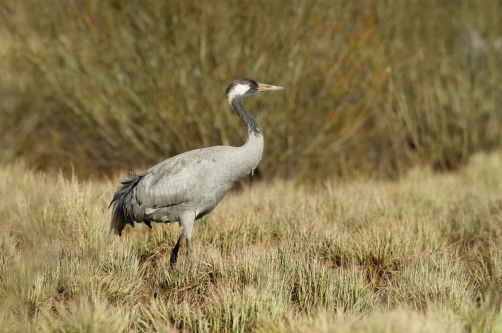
[423, 254]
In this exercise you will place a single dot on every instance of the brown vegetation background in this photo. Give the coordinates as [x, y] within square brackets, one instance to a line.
[373, 87]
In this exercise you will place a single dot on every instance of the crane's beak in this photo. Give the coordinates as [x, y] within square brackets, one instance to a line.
[267, 87]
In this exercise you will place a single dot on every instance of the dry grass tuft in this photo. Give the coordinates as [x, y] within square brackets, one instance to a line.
[422, 254]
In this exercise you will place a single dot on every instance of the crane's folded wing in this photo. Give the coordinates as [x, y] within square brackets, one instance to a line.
[166, 184]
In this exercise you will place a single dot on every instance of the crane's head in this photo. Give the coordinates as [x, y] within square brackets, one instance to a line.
[246, 87]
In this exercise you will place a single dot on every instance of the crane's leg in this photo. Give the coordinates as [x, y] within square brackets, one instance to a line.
[187, 221]
[174, 252]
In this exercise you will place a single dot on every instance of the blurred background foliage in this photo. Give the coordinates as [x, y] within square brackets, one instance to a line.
[373, 87]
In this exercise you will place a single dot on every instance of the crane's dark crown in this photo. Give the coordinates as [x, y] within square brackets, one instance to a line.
[242, 88]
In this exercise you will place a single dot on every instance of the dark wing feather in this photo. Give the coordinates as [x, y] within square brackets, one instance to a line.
[122, 213]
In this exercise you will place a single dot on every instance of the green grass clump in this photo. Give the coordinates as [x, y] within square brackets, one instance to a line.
[422, 254]
[373, 87]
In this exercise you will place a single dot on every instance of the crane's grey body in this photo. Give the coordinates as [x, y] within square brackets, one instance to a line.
[188, 186]
[194, 181]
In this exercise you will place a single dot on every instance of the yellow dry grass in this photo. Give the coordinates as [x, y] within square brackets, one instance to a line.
[422, 254]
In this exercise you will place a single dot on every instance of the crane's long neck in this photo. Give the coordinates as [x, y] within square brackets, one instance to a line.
[251, 124]
[252, 150]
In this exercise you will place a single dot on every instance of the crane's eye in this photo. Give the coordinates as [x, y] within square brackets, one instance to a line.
[250, 84]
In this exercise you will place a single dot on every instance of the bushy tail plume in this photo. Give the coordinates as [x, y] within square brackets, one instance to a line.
[122, 213]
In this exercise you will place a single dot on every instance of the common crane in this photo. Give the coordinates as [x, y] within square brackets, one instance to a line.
[188, 186]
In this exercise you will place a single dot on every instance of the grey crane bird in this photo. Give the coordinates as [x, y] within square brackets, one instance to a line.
[188, 186]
